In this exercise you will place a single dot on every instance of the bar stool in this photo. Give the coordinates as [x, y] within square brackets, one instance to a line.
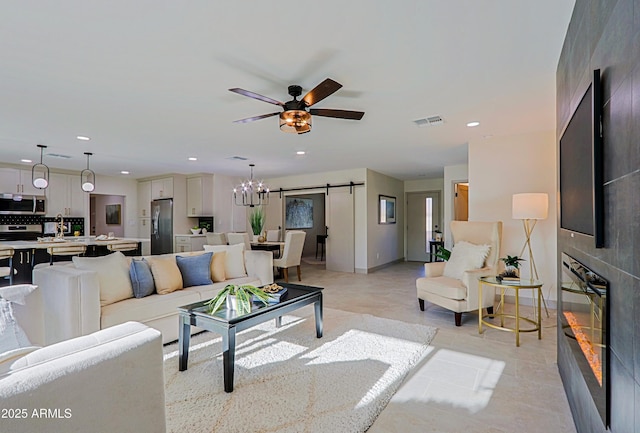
[321, 240]
[65, 250]
[123, 247]
[6, 253]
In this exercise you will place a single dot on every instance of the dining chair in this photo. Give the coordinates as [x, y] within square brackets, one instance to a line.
[292, 253]
[6, 253]
[124, 247]
[239, 238]
[273, 235]
[216, 239]
[65, 250]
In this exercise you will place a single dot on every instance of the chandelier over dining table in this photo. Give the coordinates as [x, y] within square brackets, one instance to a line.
[251, 192]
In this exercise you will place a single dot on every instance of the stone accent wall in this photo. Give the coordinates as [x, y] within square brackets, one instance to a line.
[605, 35]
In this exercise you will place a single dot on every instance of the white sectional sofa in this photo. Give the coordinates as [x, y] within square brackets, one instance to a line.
[76, 303]
[109, 381]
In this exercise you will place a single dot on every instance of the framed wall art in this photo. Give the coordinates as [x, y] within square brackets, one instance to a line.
[113, 214]
[299, 213]
[386, 209]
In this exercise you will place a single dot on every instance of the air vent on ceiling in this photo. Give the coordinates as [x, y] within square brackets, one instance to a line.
[237, 158]
[429, 121]
[58, 155]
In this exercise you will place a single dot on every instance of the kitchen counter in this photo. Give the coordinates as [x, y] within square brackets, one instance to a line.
[69, 240]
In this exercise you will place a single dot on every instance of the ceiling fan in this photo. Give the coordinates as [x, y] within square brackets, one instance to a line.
[296, 118]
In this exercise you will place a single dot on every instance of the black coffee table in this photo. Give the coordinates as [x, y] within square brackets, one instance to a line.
[228, 322]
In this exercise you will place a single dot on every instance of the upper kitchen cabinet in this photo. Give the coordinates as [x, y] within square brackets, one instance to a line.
[144, 199]
[64, 196]
[200, 196]
[16, 181]
[162, 188]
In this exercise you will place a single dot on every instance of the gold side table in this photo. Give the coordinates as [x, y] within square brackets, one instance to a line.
[516, 286]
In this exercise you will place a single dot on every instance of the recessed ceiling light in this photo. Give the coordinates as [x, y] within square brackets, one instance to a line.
[124, 172]
[473, 124]
[83, 138]
[26, 160]
[300, 152]
[192, 158]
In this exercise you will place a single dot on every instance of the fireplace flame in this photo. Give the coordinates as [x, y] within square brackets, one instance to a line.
[585, 344]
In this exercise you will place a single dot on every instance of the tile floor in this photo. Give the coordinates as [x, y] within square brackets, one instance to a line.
[467, 382]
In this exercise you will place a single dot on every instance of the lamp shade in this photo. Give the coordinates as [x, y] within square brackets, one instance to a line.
[533, 206]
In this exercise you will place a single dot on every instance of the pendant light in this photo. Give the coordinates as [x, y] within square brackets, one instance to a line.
[251, 192]
[87, 177]
[40, 172]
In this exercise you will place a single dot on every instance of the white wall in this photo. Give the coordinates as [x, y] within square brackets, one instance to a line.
[226, 215]
[453, 174]
[502, 166]
[385, 242]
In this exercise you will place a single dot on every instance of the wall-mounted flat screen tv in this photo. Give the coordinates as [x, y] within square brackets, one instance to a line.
[581, 167]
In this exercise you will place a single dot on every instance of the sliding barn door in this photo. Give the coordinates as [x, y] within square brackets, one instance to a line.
[340, 220]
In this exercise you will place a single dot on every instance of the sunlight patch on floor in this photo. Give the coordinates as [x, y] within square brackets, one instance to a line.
[455, 379]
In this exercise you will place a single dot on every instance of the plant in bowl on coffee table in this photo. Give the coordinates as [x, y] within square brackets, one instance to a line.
[243, 295]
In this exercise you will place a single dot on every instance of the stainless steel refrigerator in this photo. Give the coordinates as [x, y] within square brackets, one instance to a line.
[162, 226]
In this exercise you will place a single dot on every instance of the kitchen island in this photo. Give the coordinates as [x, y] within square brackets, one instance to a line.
[31, 253]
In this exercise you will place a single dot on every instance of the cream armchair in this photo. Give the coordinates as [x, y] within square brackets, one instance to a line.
[461, 295]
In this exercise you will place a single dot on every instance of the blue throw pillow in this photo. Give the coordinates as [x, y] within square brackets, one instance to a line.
[195, 270]
[141, 279]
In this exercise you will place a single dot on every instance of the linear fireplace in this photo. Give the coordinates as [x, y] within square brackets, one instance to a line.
[584, 318]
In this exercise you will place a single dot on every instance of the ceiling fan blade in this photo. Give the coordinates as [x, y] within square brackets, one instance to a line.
[254, 118]
[321, 91]
[340, 114]
[255, 96]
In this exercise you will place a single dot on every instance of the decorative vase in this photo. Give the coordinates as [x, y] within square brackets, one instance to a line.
[261, 238]
[232, 303]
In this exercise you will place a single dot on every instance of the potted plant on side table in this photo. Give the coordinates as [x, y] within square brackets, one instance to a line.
[512, 268]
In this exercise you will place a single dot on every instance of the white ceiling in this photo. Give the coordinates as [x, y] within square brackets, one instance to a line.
[147, 80]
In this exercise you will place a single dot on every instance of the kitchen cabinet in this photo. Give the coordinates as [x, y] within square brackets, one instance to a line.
[144, 199]
[187, 243]
[200, 196]
[144, 228]
[162, 188]
[64, 196]
[17, 181]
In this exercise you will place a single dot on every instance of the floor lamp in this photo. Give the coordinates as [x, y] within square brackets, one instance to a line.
[530, 207]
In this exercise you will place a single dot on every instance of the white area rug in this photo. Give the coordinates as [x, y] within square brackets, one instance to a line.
[287, 380]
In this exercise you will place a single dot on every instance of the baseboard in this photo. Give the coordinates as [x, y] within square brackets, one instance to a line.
[377, 268]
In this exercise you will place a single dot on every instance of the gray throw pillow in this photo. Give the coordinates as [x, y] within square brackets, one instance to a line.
[195, 270]
[141, 279]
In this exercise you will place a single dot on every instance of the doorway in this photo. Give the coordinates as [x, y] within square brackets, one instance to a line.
[461, 201]
[106, 215]
[423, 218]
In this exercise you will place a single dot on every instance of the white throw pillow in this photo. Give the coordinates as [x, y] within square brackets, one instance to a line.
[113, 276]
[465, 256]
[234, 263]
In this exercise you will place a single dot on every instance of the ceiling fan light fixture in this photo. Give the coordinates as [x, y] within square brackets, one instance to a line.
[295, 121]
